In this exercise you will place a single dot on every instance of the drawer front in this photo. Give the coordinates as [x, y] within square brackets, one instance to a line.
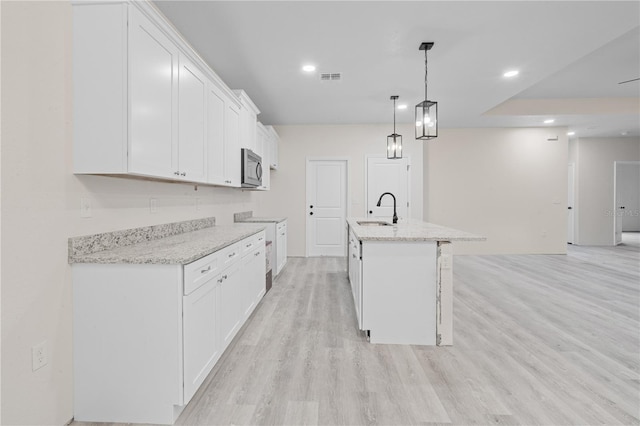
[251, 243]
[199, 272]
[231, 254]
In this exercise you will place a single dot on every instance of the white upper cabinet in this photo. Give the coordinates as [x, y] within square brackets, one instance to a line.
[273, 140]
[232, 145]
[145, 104]
[192, 113]
[153, 72]
[248, 120]
[215, 136]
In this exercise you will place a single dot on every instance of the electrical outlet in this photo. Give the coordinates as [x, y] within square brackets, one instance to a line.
[153, 205]
[39, 355]
[85, 207]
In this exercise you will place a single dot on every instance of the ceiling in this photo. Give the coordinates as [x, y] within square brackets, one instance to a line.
[571, 56]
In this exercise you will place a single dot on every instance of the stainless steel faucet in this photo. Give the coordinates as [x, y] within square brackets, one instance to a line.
[395, 215]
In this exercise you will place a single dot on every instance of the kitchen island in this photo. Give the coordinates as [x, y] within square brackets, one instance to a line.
[402, 280]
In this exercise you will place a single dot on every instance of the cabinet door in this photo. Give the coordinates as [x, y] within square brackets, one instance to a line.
[230, 305]
[232, 145]
[192, 143]
[215, 137]
[201, 343]
[153, 98]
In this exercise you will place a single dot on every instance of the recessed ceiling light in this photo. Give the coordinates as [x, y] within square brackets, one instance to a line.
[511, 73]
[549, 121]
[571, 133]
[402, 106]
[308, 68]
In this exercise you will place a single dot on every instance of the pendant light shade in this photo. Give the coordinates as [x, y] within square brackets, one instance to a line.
[394, 140]
[426, 111]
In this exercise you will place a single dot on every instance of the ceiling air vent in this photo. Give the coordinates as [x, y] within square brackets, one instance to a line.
[330, 76]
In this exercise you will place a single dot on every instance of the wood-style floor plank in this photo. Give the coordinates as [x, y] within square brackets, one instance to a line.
[538, 340]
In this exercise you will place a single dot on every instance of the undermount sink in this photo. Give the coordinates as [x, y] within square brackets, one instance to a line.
[373, 223]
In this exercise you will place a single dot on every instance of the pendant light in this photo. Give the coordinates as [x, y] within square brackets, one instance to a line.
[426, 111]
[394, 140]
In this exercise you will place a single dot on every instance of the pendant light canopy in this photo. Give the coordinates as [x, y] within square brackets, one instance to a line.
[426, 111]
[394, 140]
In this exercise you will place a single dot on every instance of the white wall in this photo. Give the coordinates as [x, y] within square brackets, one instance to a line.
[287, 195]
[40, 209]
[594, 195]
[509, 185]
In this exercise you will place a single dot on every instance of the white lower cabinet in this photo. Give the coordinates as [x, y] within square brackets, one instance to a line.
[394, 289]
[200, 334]
[281, 246]
[146, 336]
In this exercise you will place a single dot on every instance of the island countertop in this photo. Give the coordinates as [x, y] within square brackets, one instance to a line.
[176, 249]
[410, 230]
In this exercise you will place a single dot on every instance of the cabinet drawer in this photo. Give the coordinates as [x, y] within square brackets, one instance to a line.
[230, 254]
[251, 243]
[199, 272]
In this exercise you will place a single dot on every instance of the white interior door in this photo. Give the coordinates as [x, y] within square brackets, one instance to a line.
[571, 204]
[628, 187]
[384, 175]
[326, 207]
[618, 209]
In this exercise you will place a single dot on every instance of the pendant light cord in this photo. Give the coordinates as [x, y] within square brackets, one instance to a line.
[394, 116]
[426, 98]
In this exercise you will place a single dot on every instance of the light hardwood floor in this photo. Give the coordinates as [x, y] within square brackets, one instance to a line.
[538, 339]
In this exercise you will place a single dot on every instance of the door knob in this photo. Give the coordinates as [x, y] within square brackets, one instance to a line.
[311, 214]
[370, 211]
[570, 208]
[311, 206]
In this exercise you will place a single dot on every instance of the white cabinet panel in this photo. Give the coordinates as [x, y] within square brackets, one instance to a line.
[215, 137]
[281, 246]
[192, 146]
[231, 306]
[153, 70]
[201, 343]
[232, 145]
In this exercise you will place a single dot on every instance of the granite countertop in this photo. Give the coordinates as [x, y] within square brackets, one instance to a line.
[411, 230]
[261, 220]
[176, 249]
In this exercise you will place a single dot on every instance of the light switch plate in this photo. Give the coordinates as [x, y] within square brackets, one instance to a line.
[153, 205]
[85, 207]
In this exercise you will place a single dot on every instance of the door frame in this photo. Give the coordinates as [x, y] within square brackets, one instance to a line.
[615, 194]
[572, 203]
[366, 183]
[306, 197]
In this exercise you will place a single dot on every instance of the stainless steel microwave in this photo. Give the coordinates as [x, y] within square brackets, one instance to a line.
[251, 170]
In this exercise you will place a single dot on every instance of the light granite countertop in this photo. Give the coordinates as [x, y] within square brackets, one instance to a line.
[262, 220]
[411, 230]
[176, 250]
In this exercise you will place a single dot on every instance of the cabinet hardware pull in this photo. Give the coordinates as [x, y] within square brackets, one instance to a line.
[257, 254]
[220, 280]
[224, 277]
[249, 245]
[232, 254]
[205, 270]
[183, 174]
[176, 173]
